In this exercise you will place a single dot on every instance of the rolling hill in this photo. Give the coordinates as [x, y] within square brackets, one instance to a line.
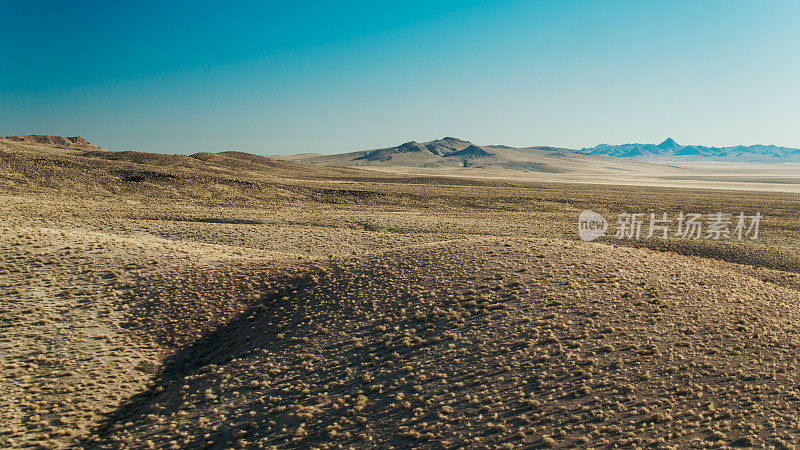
[72, 142]
[453, 153]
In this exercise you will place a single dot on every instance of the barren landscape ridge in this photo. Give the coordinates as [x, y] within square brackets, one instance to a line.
[230, 300]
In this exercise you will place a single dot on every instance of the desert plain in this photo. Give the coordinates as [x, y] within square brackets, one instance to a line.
[228, 300]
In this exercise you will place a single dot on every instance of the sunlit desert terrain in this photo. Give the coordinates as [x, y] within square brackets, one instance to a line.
[230, 300]
[688, 175]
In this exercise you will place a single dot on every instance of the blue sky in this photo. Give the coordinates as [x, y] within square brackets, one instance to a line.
[291, 77]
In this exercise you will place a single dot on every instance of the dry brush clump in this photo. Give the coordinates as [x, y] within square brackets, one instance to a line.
[455, 345]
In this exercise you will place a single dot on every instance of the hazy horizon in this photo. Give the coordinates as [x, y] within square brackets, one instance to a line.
[271, 78]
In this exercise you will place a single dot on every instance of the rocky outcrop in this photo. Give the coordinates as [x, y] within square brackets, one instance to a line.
[54, 141]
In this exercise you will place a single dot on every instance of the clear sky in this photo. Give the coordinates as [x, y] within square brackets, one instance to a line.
[290, 77]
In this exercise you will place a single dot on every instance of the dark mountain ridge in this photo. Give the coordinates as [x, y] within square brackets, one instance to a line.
[452, 153]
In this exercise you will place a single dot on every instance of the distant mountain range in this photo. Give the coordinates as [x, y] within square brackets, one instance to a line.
[672, 151]
[454, 153]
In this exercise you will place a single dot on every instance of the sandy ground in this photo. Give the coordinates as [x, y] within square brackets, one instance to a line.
[725, 176]
[230, 301]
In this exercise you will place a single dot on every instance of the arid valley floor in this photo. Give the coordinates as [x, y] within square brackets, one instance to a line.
[231, 301]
